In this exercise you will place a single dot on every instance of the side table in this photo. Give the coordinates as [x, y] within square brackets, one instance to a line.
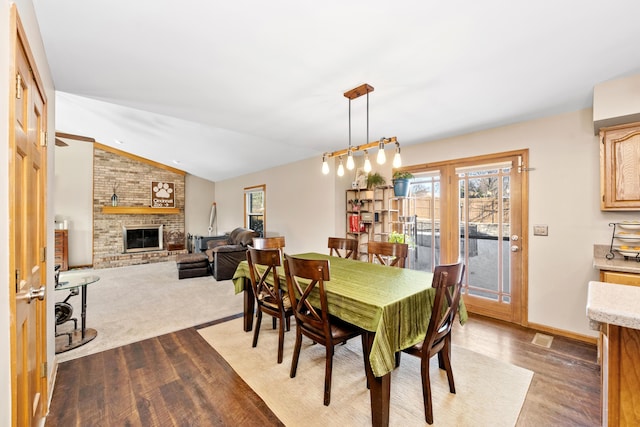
[71, 281]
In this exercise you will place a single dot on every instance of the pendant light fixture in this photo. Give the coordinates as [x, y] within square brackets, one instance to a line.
[352, 94]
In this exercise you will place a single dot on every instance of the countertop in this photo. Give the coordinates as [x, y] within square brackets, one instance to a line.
[618, 263]
[614, 304]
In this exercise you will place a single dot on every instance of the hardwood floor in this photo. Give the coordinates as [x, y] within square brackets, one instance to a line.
[178, 379]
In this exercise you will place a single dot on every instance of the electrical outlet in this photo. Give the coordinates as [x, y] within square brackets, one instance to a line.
[540, 230]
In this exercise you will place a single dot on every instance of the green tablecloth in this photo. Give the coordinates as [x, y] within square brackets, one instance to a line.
[395, 303]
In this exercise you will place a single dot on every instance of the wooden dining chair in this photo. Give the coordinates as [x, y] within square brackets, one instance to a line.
[304, 278]
[268, 242]
[270, 299]
[342, 247]
[447, 280]
[387, 253]
[276, 242]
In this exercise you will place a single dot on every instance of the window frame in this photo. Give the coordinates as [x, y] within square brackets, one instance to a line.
[249, 215]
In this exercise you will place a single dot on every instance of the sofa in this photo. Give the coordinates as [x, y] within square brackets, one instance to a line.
[226, 252]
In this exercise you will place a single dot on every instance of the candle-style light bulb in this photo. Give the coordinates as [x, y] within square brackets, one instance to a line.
[397, 161]
[341, 168]
[367, 163]
[350, 162]
[381, 157]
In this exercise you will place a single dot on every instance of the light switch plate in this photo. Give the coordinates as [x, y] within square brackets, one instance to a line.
[540, 230]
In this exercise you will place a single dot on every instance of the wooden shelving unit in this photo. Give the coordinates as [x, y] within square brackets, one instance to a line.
[371, 218]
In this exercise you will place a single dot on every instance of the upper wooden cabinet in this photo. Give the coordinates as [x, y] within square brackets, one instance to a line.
[620, 167]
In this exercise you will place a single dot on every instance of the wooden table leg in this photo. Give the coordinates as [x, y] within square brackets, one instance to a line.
[249, 302]
[380, 390]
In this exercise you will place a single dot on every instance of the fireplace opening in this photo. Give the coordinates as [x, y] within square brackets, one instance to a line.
[140, 238]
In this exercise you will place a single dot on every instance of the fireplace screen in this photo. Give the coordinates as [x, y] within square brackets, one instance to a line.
[139, 238]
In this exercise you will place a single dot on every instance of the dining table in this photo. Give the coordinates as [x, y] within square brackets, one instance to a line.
[392, 305]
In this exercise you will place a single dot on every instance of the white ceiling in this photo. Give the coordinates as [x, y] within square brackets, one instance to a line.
[228, 88]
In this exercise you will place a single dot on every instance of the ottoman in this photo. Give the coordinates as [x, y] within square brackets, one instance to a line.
[192, 265]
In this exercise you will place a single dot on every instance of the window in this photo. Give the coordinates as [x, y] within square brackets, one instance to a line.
[255, 204]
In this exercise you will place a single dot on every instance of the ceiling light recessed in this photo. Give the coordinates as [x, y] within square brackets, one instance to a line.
[176, 162]
[118, 141]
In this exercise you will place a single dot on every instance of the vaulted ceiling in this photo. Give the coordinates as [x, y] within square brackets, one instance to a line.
[220, 89]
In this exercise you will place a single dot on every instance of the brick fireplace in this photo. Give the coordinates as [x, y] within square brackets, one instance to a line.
[132, 178]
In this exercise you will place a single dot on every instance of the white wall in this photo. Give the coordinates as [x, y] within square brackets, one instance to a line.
[199, 196]
[300, 205]
[5, 311]
[27, 15]
[306, 206]
[73, 187]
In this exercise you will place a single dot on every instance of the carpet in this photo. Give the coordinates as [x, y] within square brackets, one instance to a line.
[129, 304]
[488, 391]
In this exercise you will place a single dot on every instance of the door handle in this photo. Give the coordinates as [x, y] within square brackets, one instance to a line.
[514, 248]
[32, 294]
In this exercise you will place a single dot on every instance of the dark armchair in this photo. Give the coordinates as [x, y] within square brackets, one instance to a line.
[226, 252]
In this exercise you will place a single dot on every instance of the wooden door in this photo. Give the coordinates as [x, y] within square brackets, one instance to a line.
[27, 178]
[474, 209]
[492, 237]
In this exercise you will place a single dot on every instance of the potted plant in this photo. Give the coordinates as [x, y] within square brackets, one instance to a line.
[401, 183]
[375, 180]
[355, 204]
[396, 237]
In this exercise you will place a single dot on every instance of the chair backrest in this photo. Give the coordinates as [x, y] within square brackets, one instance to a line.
[269, 260]
[342, 247]
[268, 242]
[447, 280]
[387, 253]
[303, 276]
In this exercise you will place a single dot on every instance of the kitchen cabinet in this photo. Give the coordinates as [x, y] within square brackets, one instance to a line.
[620, 167]
[620, 278]
[62, 249]
[619, 353]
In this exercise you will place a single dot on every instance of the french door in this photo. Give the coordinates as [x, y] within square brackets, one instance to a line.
[475, 210]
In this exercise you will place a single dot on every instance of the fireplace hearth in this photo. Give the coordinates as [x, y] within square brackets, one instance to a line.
[142, 238]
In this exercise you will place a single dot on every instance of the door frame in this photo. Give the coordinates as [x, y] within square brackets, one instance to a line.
[449, 219]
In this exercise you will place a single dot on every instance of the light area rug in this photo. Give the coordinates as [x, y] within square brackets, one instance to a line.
[489, 392]
[130, 304]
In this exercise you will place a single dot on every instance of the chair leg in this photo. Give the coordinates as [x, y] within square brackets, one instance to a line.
[446, 362]
[296, 353]
[280, 340]
[426, 391]
[256, 332]
[288, 323]
[327, 375]
[398, 353]
[273, 323]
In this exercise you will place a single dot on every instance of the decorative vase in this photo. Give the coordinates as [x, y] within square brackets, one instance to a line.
[401, 187]
[114, 200]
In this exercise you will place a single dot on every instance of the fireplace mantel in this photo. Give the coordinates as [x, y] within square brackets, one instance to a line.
[138, 210]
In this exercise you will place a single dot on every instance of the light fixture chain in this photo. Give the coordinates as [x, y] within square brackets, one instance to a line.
[349, 124]
[367, 141]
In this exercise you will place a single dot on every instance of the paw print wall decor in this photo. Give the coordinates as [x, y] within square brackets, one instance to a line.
[162, 194]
